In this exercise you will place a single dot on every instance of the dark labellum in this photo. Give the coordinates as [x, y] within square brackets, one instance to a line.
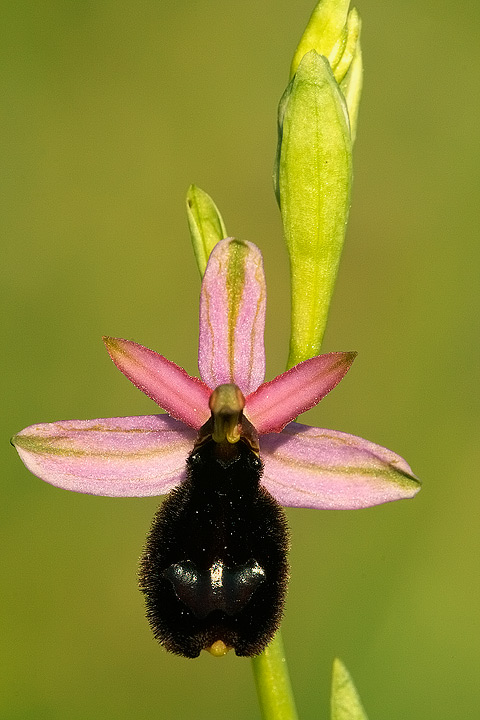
[214, 571]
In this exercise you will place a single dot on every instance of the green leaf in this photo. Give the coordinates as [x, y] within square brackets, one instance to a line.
[314, 176]
[205, 223]
[345, 702]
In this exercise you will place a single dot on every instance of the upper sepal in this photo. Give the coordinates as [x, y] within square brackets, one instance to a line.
[119, 457]
[232, 317]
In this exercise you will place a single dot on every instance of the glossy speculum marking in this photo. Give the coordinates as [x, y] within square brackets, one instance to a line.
[214, 571]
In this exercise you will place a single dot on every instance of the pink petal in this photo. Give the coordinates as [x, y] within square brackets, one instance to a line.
[232, 317]
[120, 457]
[279, 401]
[313, 468]
[181, 395]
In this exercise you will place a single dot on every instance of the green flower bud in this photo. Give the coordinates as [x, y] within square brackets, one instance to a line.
[326, 33]
[313, 179]
[335, 33]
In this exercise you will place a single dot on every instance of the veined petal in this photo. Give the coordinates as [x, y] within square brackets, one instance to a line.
[119, 457]
[181, 395]
[232, 317]
[277, 402]
[328, 470]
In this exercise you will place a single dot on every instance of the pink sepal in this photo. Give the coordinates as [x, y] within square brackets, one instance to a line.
[119, 457]
[313, 468]
[232, 317]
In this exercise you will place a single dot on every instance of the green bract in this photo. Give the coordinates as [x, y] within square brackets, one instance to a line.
[205, 223]
[313, 178]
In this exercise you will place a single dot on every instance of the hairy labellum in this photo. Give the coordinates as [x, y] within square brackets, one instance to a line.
[214, 571]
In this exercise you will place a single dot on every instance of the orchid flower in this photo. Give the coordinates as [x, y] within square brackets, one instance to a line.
[139, 456]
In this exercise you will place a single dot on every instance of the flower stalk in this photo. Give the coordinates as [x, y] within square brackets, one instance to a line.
[272, 681]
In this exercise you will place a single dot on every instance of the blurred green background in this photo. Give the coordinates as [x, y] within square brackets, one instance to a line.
[110, 110]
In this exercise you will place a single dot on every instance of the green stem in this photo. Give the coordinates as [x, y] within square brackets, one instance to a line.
[273, 682]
